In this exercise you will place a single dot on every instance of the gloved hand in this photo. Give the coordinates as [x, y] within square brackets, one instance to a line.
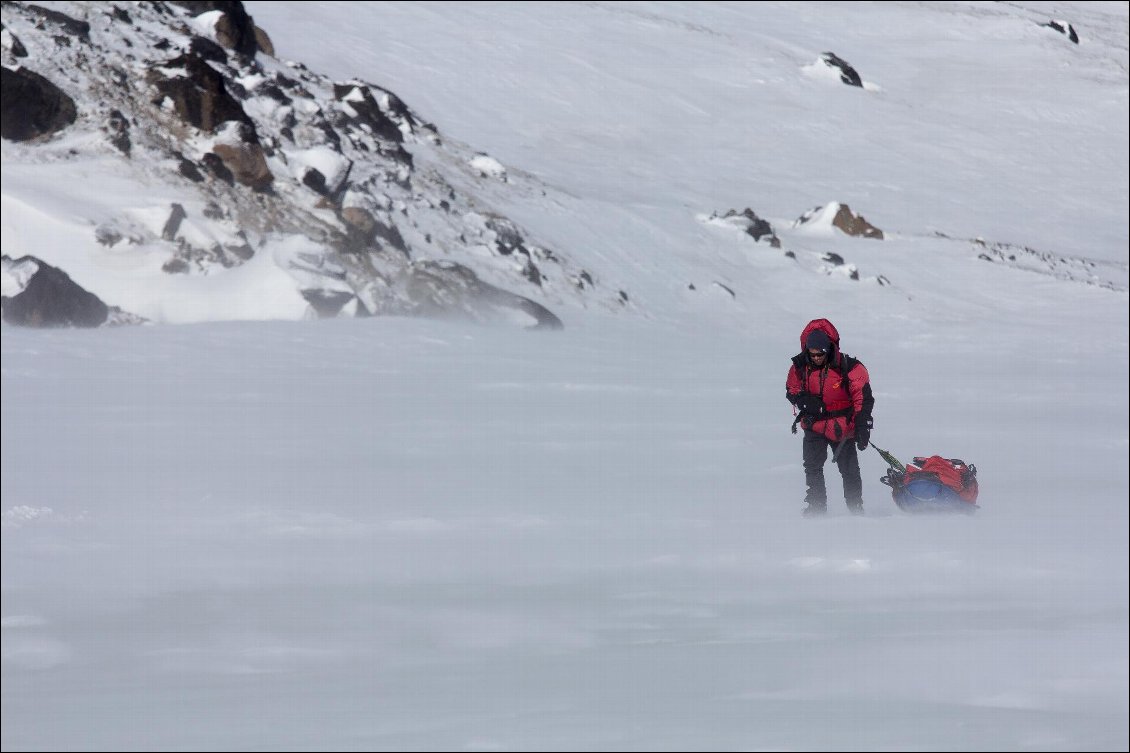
[863, 434]
[810, 405]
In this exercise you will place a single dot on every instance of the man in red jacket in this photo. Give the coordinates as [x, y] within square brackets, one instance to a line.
[831, 396]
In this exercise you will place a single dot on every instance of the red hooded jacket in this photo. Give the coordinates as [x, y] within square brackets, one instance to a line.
[841, 383]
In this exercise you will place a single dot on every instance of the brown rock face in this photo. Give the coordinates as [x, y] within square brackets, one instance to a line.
[854, 224]
[199, 97]
[247, 164]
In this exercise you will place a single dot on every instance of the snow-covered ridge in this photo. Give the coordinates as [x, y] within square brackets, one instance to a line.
[180, 172]
[230, 184]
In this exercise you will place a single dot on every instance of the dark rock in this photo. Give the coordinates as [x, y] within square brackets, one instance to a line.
[189, 170]
[400, 110]
[847, 73]
[445, 289]
[390, 234]
[118, 126]
[216, 167]
[172, 225]
[315, 181]
[200, 97]
[327, 303]
[755, 227]
[507, 238]
[206, 49]
[32, 106]
[834, 259]
[107, 236]
[175, 267]
[18, 49]
[726, 288]
[72, 26]
[52, 299]
[242, 252]
[238, 90]
[235, 29]
[1063, 28]
[758, 227]
[368, 112]
[243, 132]
[274, 92]
[328, 131]
[286, 81]
[532, 273]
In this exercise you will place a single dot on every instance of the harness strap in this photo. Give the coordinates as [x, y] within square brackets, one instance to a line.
[823, 416]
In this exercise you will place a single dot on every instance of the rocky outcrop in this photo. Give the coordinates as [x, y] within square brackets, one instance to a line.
[235, 29]
[49, 297]
[246, 163]
[854, 224]
[199, 96]
[1063, 28]
[61, 21]
[328, 304]
[755, 227]
[32, 106]
[443, 289]
[320, 174]
[847, 74]
[117, 127]
[362, 111]
[263, 40]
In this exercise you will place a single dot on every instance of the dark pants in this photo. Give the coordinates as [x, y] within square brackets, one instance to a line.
[816, 455]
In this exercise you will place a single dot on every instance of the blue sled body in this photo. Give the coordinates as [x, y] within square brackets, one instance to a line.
[927, 495]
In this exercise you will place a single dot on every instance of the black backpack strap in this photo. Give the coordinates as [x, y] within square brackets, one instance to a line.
[847, 363]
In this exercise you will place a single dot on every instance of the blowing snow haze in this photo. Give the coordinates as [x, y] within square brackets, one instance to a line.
[354, 504]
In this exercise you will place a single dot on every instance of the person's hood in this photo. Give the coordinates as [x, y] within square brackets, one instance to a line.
[825, 326]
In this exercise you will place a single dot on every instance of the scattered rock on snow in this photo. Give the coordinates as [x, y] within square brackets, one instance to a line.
[847, 74]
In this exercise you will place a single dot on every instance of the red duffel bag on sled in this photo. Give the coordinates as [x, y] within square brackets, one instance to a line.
[932, 484]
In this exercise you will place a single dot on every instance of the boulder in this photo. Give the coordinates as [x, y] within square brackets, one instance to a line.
[32, 106]
[49, 297]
